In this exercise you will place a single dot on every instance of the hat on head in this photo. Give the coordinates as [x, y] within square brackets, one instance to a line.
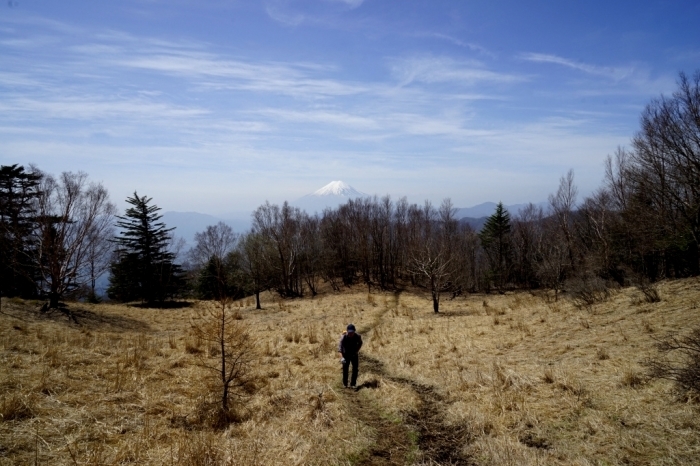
[351, 328]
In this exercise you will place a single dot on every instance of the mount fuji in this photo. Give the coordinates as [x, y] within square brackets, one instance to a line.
[331, 195]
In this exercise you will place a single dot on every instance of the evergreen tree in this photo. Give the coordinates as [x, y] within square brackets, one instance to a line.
[222, 278]
[19, 190]
[496, 241]
[144, 267]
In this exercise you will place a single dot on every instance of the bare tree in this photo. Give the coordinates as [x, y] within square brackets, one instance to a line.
[74, 219]
[553, 255]
[281, 228]
[99, 257]
[563, 204]
[432, 257]
[214, 261]
[256, 253]
[667, 173]
[311, 252]
[215, 241]
[525, 237]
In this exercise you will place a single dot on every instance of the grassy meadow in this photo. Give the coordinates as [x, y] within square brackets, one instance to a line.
[512, 379]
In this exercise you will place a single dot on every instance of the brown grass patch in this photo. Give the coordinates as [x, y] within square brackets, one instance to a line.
[515, 379]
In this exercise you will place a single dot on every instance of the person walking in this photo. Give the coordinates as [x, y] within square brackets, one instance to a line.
[349, 347]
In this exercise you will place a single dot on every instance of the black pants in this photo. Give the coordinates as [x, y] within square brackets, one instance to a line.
[350, 358]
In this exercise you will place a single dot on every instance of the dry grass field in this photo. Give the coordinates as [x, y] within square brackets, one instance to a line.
[512, 379]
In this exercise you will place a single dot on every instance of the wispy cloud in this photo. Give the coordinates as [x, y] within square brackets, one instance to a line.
[108, 98]
[349, 3]
[448, 70]
[290, 18]
[212, 71]
[468, 45]
[616, 73]
[294, 13]
[90, 108]
[324, 117]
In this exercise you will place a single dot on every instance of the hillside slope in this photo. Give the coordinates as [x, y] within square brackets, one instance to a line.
[493, 379]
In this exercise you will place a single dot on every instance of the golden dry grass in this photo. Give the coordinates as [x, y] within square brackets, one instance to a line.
[511, 379]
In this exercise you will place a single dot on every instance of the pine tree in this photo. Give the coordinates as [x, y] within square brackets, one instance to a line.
[495, 239]
[144, 268]
[19, 190]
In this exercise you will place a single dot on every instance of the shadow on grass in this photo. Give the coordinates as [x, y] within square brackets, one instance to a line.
[164, 305]
[92, 320]
[372, 383]
[73, 314]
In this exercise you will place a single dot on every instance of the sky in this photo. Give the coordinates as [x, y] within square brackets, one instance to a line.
[217, 106]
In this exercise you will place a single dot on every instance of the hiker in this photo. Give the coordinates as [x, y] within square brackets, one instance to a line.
[349, 347]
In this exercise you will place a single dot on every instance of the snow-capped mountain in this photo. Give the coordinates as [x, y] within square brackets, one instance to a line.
[331, 195]
[338, 188]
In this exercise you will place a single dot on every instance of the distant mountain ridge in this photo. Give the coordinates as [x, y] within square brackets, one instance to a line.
[186, 224]
[477, 215]
[331, 196]
[487, 209]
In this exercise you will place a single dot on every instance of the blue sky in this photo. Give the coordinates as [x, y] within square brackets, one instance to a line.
[216, 106]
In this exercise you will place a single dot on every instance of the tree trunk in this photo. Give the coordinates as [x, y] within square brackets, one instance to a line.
[436, 303]
[222, 344]
[257, 299]
[53, 300]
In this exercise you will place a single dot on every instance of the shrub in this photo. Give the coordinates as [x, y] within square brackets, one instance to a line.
[15, 408]
[678, 360]
[588, 290]
[649, 290]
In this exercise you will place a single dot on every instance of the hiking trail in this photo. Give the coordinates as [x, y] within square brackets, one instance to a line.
[420, 437]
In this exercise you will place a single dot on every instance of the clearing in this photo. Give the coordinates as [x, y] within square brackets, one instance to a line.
[513, 379]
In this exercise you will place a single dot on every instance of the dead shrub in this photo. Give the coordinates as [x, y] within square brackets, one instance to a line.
[677, 360]
[586, 291]
[649, 290]
[632, 378]
[312, 334]
[178, 363]
[602, 353]
[573, 386]
[199, 450]
[15, 408]
[193, 345]
[328, 343]
[318, 413]
[548, 375]
[293, 335]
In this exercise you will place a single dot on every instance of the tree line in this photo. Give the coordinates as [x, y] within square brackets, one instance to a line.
[643, 224]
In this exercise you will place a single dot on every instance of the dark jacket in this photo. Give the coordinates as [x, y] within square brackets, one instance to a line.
[350, 345]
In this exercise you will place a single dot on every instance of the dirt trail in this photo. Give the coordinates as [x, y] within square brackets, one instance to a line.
[437, 442]
[393, 444]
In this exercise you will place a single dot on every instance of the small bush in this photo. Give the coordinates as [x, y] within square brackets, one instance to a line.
[548, 375]
[587, 291]
[678, 360]
[632, 378]
[602, 353]
[200, 450]
[14, 408]
[649, 290]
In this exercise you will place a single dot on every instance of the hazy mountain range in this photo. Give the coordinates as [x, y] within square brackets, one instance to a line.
[331, 195]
